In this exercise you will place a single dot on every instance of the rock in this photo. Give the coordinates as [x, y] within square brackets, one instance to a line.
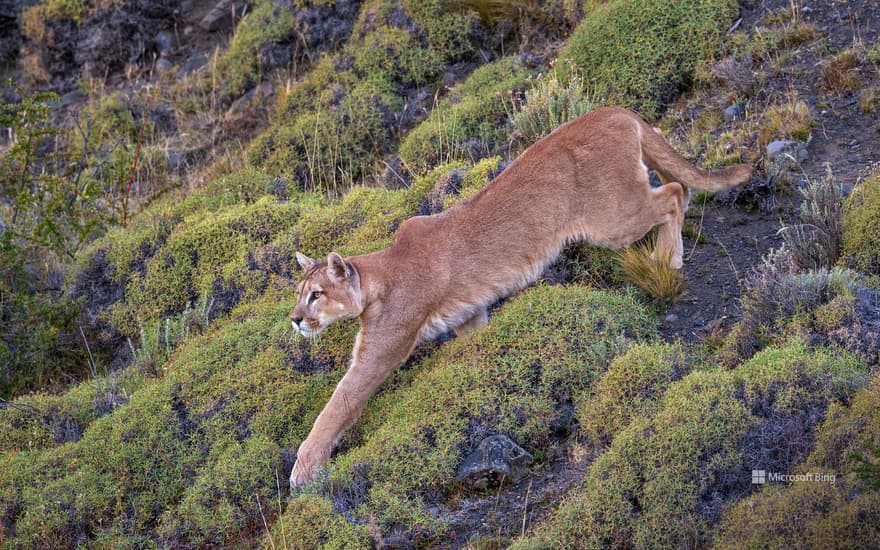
[734, 112]
[561, 425]
[274, 55]
[497, 457]
[793, 149]
[163, 65]
[173, 159]
[221, 15]
[395, 175]
[194, 63]
[241, 104]
[72, 97]
[164, 42]
[671, 318]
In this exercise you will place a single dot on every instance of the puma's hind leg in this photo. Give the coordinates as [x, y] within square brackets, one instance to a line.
[669, 209]
[479, 320]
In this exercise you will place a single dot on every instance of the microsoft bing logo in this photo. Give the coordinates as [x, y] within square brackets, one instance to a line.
[759, 477]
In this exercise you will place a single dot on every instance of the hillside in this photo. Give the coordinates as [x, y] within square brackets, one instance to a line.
[164, 160]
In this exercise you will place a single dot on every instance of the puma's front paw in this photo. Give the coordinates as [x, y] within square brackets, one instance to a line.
[306, 467]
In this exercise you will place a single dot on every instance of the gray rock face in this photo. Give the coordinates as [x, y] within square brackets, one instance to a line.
[164, 42]
[194, 63]
[794, 149]
[497, 457]
[734, 112]
[221, 15]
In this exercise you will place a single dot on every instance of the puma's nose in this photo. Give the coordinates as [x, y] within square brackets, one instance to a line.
[297, 320]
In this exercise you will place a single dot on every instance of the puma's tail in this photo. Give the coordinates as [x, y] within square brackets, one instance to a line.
[658, 155]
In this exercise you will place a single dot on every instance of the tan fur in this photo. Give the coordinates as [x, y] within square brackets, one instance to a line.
[586, 180]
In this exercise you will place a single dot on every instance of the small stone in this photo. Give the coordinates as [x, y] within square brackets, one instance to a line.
[194, 63]
[241, 104]
[734, 112]
[497, 457]
[163, 65]
[221, 15]
[671, 318]
[164, 42]
[793, 149]
[72, 97]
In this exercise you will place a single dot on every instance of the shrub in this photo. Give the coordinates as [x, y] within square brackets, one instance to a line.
[815, 242]
[840, 510]
[310, 522]
[861, 225]
[336, 123]
[468, 124]
[645, 52]
[775, 296]
[666, 477]
[632, 387]
[508, 378]
[551, 102]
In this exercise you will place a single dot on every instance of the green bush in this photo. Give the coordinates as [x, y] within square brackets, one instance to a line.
[476, 109]
[663, 478]
[310, 522]
[334, 126]
[843, 513]
[861, 226]
[551, 102]
[632, 387]
[645, 52]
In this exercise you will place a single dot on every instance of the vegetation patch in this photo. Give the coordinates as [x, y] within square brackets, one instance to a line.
[837, 504]
[334, 125]
[471, 122]
[646, 52]
[861, 225]
[666, 477]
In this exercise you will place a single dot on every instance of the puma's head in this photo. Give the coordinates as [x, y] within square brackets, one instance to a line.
[327, 292]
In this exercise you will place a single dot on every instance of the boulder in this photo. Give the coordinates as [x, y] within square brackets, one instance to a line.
[497, 457]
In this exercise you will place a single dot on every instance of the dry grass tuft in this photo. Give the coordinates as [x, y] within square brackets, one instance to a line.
[653, 275]
[791, 120]
[841, 74]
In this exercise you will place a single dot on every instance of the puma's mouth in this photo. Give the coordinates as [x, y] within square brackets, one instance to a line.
[306, 331]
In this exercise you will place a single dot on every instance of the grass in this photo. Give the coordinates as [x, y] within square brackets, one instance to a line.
[475, 113]
[789, 120]
[840, 75]
[641, 267]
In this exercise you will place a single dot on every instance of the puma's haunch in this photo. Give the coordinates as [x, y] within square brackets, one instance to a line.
[588, 180]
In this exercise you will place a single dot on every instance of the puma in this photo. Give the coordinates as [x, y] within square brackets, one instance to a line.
[588, 180]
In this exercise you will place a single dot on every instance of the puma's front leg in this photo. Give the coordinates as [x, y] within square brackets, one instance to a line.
[371, 365]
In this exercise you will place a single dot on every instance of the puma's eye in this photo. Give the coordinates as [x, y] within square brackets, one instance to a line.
[315, 295]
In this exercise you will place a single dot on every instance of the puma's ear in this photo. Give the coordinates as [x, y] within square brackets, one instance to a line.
[304, 261]
[337, 267]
